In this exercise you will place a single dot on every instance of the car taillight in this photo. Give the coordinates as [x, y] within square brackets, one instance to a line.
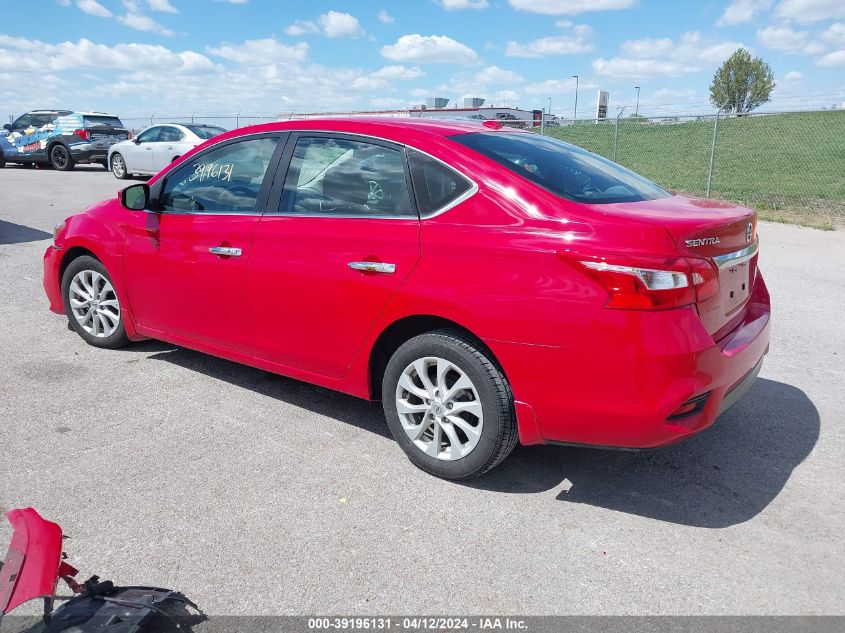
[652, 283]
[82, 133]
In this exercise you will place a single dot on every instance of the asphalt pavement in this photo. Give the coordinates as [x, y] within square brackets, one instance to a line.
[257, 494]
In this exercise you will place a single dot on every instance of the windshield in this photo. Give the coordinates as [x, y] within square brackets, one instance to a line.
[102, 120]
[564, 169]
[205, 131]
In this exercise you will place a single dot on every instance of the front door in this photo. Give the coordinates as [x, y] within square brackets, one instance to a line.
[336, 243]
[185, 263]
[139, 155]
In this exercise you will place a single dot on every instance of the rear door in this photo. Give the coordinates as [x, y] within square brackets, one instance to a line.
[340, 235]
[185, 264]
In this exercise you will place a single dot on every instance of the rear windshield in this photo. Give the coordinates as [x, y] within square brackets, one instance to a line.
[92, 120]
[205, 131]
[564, 169]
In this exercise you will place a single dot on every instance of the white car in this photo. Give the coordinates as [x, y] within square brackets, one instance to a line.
[156, 147]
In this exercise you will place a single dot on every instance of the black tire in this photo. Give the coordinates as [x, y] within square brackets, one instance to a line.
[60, 157]
[2, 160]
[120, 175]
[499, 432]
[84, 263]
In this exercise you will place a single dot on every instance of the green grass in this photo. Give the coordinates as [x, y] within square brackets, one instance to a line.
[790, 167]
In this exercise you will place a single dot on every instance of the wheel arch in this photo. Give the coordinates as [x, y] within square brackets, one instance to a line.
[74, 252]
[404, 329]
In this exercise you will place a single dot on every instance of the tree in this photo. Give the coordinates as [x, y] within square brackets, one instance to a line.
[742, 83]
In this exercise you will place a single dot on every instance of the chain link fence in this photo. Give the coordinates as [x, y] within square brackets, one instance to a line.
[789, 166]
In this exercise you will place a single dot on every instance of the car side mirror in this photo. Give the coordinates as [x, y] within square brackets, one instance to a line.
[136, 141]
[135, 197]
[7, 126]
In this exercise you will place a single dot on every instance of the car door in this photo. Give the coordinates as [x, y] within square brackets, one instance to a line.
[139, 154]
[185, 262]
[166, 147]
[340, 235]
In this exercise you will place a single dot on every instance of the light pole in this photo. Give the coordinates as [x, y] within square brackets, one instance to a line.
[637, 107]
[550, 107]
[575, 116]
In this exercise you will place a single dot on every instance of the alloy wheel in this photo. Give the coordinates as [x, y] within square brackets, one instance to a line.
[94, 303]
[60, 156]
[439, 408]
[118, 167]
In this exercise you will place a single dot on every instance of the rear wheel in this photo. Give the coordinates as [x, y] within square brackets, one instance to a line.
[118, 167]
[60, 157]
[2, 160]
[91, 303]
[448, 406]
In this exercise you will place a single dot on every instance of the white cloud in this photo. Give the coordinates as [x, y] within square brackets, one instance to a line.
[835, 34]
[398, 73]
[556, 87]
[835, 59]
[162, 5]
[783, 38]
[333, 24]
[741, 11]
[20, 53]
[233, 1]
[647, 47]
[429, 49]
[337, 24]
[496, 75]
[301, 27]
[569, 7]
[458, 5]
[664, 58]
[143, 23]
[385, 17]
[578, 40]
[92, 7]
[807, 11]
[258, 52]
[792, 75]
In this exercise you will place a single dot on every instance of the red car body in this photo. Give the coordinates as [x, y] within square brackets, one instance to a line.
[504, 264]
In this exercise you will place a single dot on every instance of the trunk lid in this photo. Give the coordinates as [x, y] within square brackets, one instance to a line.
[722, 233]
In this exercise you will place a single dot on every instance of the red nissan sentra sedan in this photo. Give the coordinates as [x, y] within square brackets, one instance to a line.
[488, 285]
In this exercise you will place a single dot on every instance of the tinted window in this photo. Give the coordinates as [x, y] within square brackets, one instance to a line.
[562, 168]
[22, 122]
[435, 185]
[343, 177]
[205, 131]
[170, 135]
[150, 135]
[91, 120]
[42, 119]
[223, 180]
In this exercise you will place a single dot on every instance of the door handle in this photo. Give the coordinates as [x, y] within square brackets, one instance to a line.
[149, 149]
[225, 251]
[373, 267]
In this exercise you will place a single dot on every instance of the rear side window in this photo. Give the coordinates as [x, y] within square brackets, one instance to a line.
[435, 185]
[336, 176]
[92, 120]
[170, 135]
[564, 169]
[226, 179]
[42, 119]
[205, 131]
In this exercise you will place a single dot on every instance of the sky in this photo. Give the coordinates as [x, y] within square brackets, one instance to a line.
[136, 58]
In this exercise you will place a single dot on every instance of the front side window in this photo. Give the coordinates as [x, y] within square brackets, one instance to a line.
[435, 185]
[22, 122]
[223, 180]
[344, 177]
[150, 135]
[563, 169]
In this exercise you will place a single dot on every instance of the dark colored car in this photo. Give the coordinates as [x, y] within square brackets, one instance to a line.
[62, 138]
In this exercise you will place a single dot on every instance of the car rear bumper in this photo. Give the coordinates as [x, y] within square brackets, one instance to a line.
[87, 153]
[627, 389]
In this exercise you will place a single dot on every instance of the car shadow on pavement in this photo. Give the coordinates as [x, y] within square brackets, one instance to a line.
[11, 233]
[721, 477]
[332, 404]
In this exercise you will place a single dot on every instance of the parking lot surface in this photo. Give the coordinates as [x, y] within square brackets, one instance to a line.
[257, 494]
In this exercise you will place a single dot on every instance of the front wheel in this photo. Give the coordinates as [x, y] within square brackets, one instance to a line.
[118, 167]
[60, 158]
[448, 405]
[91, 303]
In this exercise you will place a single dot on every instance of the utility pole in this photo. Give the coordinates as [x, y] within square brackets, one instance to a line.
[637, 107]
[575, 116]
